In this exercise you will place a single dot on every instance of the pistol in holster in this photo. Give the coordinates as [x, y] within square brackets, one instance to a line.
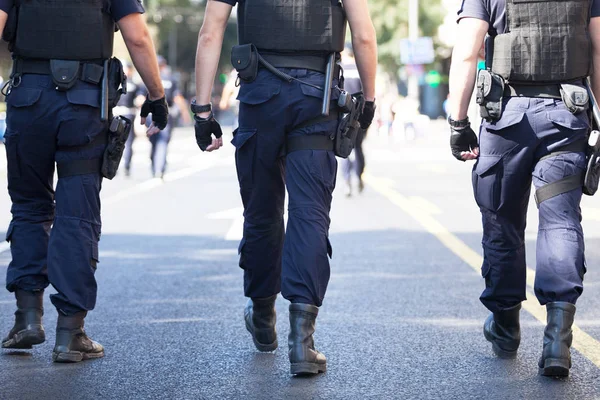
[118, 132]
[350, 107]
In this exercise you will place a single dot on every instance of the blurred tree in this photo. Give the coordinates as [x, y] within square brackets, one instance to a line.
[390, 18]
[178, 23]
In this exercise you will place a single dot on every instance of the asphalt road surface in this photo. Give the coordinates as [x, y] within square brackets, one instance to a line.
[401, 319]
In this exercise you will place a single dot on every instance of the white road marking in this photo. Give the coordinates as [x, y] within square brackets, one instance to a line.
[236, 214]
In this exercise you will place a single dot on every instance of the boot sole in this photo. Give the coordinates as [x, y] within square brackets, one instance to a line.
[307, 368]
[555, 367]
[75, 356]
[25, 339]
[500, 353]
[260, 346]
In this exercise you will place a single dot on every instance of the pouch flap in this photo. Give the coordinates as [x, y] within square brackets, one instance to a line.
[84, 97]
[484, 81]
[311, 91]
[242, 136]
[486, 163]
[241, 56]
[575, 94]
[565, 119]
[258, 93]
[509, 118]
[23, 97]
[64, 72]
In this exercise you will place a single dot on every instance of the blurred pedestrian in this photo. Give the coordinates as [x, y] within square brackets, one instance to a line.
[353, 165]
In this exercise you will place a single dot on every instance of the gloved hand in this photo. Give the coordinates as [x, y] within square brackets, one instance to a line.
[367, 115]
[205, 128]
[159, 110]
[464, 140]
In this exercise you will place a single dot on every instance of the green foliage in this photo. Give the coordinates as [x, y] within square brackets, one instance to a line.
[390, 18]
[178, 23]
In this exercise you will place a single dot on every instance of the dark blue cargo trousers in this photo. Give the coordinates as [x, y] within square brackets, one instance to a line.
[293, 260]
[53, 234]
[511, 152]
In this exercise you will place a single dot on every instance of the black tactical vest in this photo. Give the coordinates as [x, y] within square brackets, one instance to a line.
[63, 30]
[547, 41]
[292, 26]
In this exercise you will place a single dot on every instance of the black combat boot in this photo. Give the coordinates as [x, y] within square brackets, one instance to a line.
[503, 330]
[28, 329]
[558, 336]
[72, 344]
[304, 359]
[260, 321]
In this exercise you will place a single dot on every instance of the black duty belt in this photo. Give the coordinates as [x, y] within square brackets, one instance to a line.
[540, 91]
[90, 71]
[315, 63]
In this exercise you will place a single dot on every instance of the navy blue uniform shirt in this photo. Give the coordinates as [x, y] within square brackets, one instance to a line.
[492, 11]
[118, 9]
[232, 2]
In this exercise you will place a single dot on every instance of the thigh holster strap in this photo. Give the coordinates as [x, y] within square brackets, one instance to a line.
[561, 186]
[79, 167]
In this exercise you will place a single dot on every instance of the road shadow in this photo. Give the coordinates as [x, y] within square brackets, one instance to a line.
[401, 319]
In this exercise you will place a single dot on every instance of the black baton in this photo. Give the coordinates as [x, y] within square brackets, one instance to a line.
[328, 82]
[104, 95]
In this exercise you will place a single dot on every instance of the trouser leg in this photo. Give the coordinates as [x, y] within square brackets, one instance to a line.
[73, 247]
[501, 183]
[30, 163]
[261, 177]
[359, 153]
[160, 144]
[310, 179]
[560, 246]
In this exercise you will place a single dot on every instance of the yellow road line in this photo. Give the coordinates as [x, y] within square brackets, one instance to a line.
[582, 342]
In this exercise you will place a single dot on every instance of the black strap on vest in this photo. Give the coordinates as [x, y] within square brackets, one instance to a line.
[311, 142]
[565, 184]
[89, 72]
[537, 91]
[82, 167]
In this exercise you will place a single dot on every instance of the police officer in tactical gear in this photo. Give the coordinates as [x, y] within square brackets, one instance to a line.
[58, 99]
[535, 108]
[284, 139]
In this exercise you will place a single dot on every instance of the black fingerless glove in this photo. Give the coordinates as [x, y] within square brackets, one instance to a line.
[367, 115]
[205, 128]
[159, 110]
[462, 140]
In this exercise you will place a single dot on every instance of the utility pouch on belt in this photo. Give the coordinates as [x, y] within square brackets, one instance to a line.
[575, 97]
[244, 58]
[351, 107]
[65, 73]
[117, 82]
[118, 132]
[490, 91]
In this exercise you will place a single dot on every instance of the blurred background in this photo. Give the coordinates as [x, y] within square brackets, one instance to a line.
[415, 40]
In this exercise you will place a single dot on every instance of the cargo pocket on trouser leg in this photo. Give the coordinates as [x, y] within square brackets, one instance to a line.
[244, 141]
[487, 181]
[11, 142]
[94, 259]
